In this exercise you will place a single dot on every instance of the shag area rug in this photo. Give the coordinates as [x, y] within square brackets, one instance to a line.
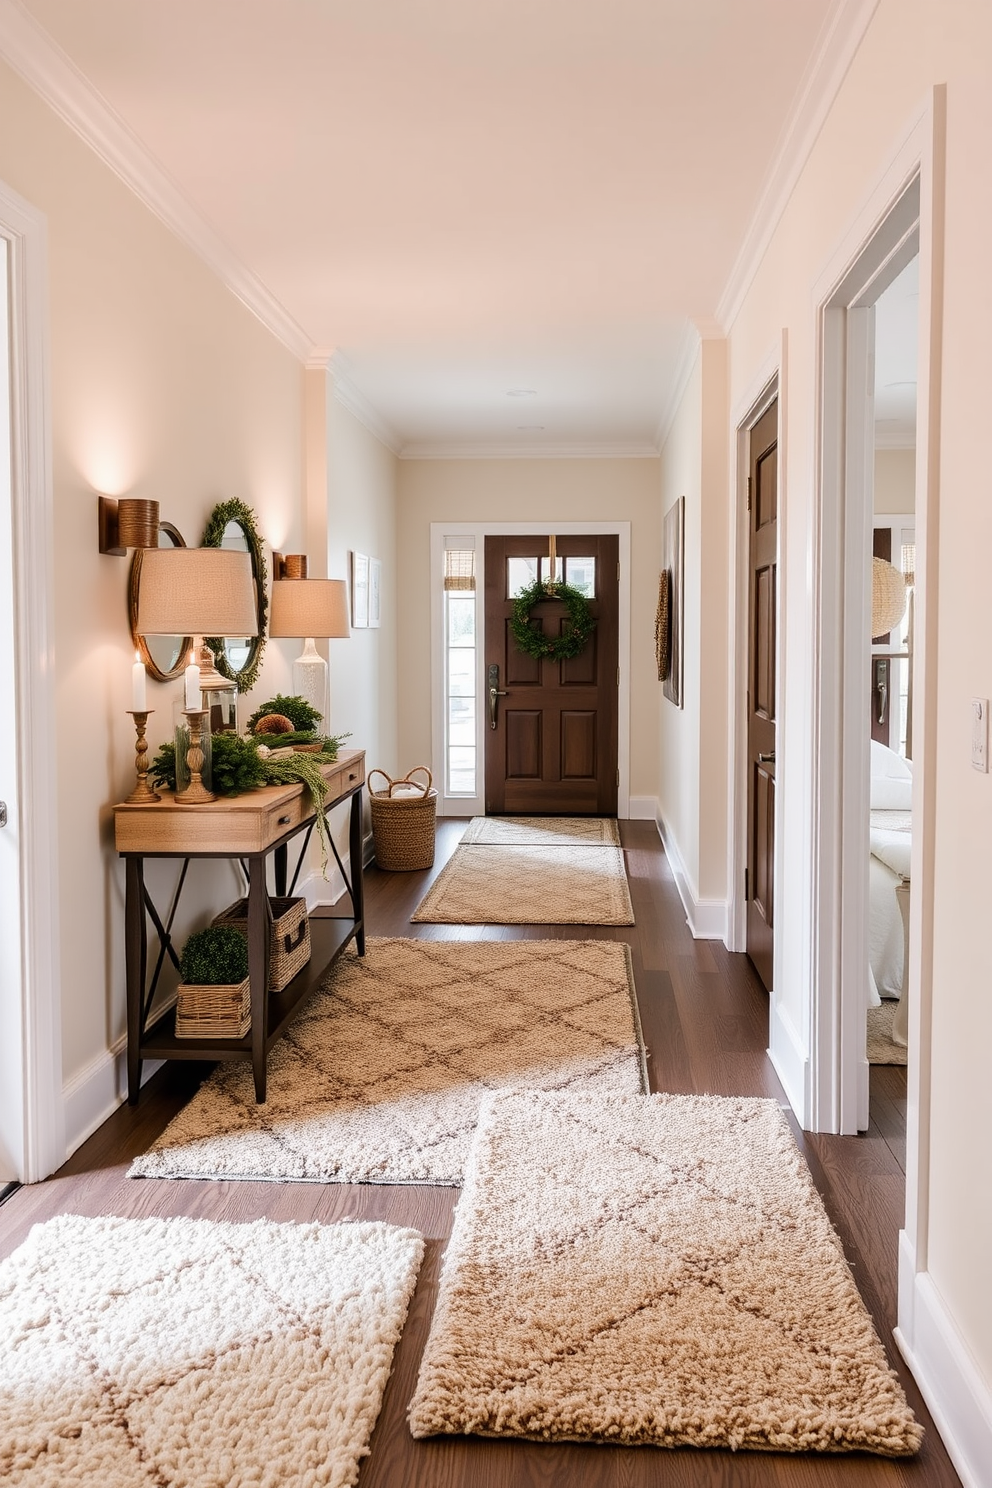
[654, 1269]
[183, 1352]
[881, 1048]
[532, 871]
[542, 831]
[380, 1078]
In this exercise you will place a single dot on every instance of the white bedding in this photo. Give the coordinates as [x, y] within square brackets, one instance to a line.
[890, 840]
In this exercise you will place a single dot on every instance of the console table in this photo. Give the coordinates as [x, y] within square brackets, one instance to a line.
[246, 828]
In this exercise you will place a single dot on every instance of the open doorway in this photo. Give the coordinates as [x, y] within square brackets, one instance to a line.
[894, 585]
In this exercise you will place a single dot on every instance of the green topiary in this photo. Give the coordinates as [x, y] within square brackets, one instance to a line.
[299, 712]
[215, 957]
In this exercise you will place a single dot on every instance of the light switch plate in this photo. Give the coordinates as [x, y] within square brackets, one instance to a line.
[980, 734]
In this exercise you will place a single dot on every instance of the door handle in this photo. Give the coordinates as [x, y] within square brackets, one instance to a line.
[766, 759]
[882, 687]
[494, 693]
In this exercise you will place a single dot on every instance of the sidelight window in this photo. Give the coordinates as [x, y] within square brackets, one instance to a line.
[460, 636]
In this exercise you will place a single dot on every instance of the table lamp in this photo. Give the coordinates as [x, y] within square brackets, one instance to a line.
[304, 608]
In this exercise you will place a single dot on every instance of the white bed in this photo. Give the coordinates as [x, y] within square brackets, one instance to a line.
[891, 838]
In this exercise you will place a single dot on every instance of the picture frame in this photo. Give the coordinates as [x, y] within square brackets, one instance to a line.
[359, 591]
[375, 593]
[673, 562]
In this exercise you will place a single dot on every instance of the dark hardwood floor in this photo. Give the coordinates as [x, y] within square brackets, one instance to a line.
[705, 1020]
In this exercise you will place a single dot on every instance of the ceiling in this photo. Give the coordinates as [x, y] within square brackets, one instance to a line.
[497, 217]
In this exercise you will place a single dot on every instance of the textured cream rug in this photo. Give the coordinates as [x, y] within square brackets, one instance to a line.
[881, 1048]
[532, 871]
[184, 1353]
[379, 1080]
[542, 831]
[654, 1269]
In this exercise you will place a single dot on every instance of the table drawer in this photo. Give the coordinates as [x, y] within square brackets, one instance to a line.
[283, 816]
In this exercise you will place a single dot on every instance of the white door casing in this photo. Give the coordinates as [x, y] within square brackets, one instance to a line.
[32, 1125]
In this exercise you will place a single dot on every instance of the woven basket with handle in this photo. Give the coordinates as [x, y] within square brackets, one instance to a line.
[404, 813]
[289, 943]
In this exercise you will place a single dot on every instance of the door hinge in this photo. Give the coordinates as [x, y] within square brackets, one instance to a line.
[618, 775]
[618, 676]
[749, 493]
[747, 886]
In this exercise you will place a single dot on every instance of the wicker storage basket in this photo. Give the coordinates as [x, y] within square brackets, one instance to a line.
[213, 1012]
[403, 819]
[289, 949]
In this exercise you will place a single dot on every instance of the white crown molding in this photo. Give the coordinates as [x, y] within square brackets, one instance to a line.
[348, 395]
[841, 37]
[688, 352]
[566, 451]
[32, 53]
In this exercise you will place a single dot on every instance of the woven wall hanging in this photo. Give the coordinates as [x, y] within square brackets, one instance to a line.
[661, 639]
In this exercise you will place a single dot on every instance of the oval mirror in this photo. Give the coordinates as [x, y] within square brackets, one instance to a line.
[232, 526]
[164, 656]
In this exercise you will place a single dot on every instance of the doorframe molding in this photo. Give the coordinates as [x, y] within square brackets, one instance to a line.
[479, 531]
[39, 1147]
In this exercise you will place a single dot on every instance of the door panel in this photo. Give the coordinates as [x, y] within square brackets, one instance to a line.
[761, 700]
[554, 748]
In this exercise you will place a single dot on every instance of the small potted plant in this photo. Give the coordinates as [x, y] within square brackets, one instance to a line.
[214, 991]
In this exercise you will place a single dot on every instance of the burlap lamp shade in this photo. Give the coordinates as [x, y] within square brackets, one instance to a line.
[197, 591]
[888, 597]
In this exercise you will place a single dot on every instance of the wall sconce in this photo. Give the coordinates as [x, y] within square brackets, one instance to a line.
[304, 608]
[131, 522]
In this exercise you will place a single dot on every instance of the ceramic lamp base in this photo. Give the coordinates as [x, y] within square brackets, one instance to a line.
[310, 674]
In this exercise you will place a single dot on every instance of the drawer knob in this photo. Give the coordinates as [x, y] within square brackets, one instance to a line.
[284, 821]
[352, 777]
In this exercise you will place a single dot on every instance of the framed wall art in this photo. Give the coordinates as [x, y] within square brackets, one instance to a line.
[375, 591]
[359, 591]
[673, 560]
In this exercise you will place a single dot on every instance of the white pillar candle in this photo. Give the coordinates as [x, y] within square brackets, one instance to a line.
[139, 701]
[193, 699]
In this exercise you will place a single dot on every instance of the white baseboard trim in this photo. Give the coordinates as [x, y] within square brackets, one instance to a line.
[952, 1386]
[95, 1092]
[789, 1060]
[706, 918]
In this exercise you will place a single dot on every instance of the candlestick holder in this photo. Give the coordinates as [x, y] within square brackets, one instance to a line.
[142, 792]
[195, 793]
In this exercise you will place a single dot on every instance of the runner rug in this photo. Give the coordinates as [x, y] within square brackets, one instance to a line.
[187, 1352]
[380, 1078]
[651, 1269]
[532, 871]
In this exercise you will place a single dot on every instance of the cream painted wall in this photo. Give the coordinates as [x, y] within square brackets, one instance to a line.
[693, 739]
[895, 481]
[163, 385]
[361, 517]
[911, 45]
[526, 491]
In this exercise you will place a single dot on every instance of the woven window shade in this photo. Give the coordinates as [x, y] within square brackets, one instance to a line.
[459, 568]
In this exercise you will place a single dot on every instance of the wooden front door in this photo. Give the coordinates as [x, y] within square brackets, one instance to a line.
[551, 732]
[761, 690]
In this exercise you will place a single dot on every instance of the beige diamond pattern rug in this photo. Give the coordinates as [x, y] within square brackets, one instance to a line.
[177, 1353]
[532, 871]
[542, 831]
[655, 1269]
[380, 1078]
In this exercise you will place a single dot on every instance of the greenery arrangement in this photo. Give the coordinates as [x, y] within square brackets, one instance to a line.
[299, 712]
[236, 766]
[533, 642]
[239, 766]
[215, 957]
[213, 537]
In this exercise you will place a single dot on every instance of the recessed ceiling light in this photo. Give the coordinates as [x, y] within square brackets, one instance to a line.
[521, 392]
[531, 428]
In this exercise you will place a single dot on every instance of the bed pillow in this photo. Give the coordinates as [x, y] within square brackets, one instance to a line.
[891, 780]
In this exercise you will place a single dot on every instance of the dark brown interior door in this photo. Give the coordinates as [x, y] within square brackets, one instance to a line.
[553, 750]
[761, 689]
